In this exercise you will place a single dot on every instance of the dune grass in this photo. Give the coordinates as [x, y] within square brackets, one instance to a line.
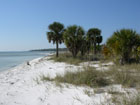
[126, 100]
[89, 77]
[127, 75]
[67, 58]
[134, 101]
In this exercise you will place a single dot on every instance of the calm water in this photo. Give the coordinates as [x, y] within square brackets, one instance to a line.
[12, 59]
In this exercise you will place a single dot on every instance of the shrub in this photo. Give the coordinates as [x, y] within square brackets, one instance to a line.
[122, 44]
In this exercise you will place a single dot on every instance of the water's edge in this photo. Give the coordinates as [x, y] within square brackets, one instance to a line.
[9, 60]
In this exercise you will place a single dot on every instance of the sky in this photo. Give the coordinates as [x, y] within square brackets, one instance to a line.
[24, 23]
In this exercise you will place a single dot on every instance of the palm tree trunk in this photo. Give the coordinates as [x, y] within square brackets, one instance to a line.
[56, 49]
[95, 48]
[98, 47]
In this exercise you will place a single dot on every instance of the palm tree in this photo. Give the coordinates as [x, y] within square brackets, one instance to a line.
[84, 46]
[73, 39]
[92, 35]
[56, 34]
[122, 43]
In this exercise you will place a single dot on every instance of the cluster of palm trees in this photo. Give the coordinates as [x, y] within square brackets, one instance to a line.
[124, 44]
[74, 37]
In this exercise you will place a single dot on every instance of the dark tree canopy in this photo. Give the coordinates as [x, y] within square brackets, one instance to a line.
[94, 37]
[73, 38]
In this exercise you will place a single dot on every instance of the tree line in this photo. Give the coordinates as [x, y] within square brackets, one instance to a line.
[124, 44]
[74, 37]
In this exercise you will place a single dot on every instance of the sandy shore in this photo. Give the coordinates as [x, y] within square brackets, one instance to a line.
[19, 86]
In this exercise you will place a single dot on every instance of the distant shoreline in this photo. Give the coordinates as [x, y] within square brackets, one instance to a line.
[51, 49]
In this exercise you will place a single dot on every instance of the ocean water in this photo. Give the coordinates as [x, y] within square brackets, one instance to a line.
[11, 59]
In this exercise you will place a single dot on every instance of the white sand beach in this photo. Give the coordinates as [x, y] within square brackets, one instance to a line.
[22, 86]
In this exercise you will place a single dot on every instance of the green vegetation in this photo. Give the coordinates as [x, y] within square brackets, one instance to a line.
[126, 100]
[128, 75]
[123, 48]
[73, 39]
[89, 76]
[124, 44]
[134, 101]
[94, 37]
[68, 58]
[56, 34]
[84, 47]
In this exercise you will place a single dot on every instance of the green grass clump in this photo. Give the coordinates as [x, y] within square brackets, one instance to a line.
[88, 77]
[134, 101]
[67, 58]
[45, 78]
[124, 78]
[127, 75]
[126, 100]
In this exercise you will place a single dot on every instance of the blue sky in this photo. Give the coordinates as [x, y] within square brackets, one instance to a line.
[24, 23]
